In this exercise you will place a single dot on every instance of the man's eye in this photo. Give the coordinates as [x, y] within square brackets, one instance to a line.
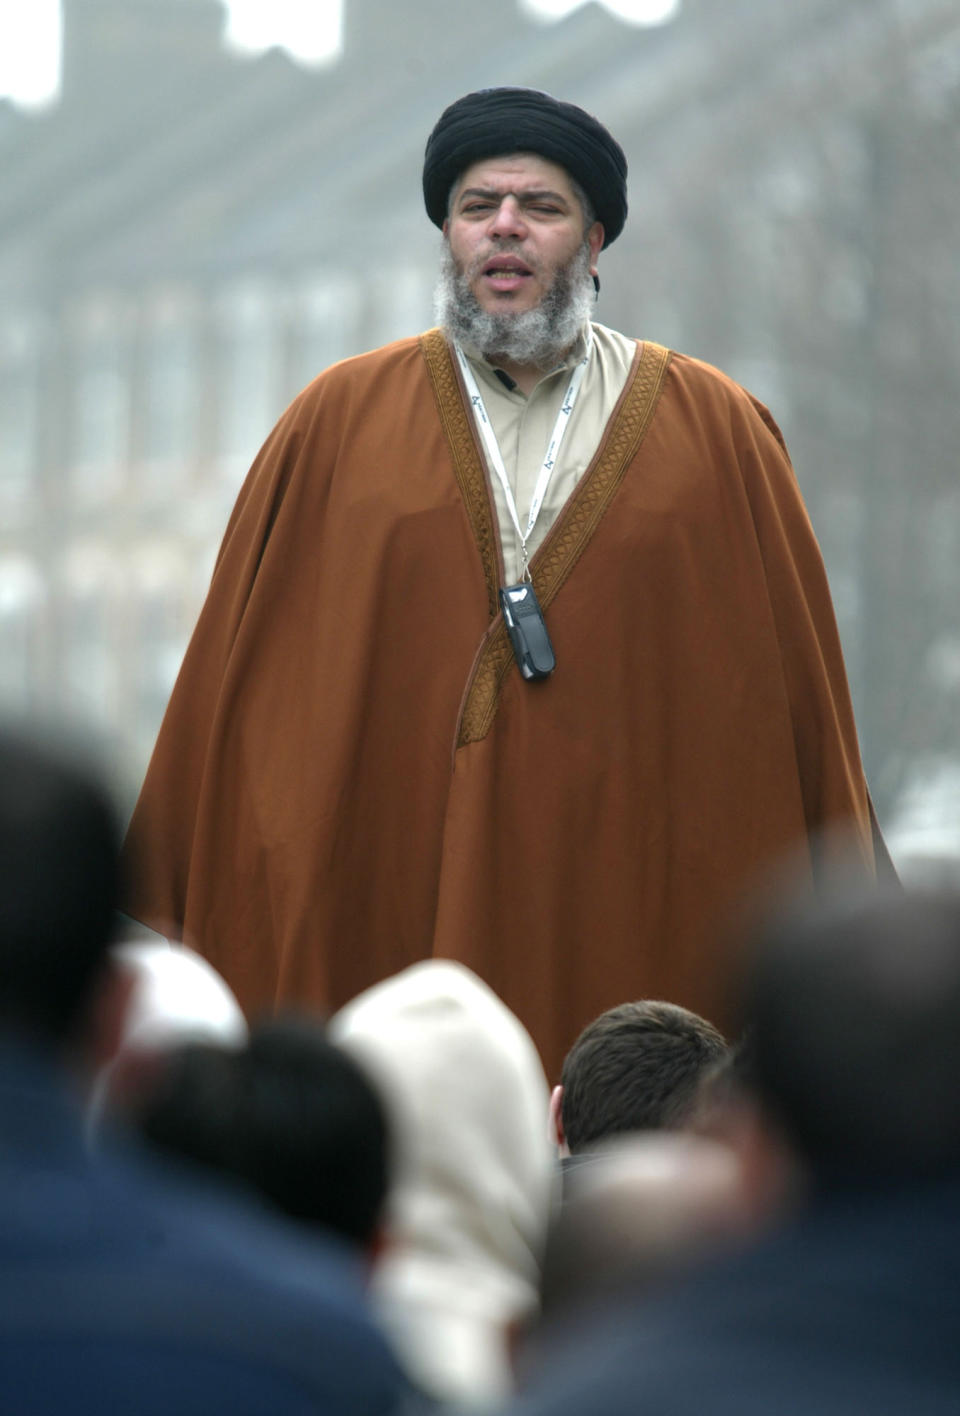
[477, 207]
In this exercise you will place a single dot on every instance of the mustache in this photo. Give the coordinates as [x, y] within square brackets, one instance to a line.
[510, 247]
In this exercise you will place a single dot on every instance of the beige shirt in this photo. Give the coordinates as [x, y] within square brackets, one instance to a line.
[523, 426]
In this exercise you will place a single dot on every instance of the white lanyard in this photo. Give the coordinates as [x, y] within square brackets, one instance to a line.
[553, 448]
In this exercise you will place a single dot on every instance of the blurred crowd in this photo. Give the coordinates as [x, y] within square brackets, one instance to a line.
[395, 1210]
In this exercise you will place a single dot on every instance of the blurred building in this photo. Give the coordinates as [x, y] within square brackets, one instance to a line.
[189, 236]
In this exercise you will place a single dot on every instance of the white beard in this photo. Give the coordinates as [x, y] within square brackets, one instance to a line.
[539, 337]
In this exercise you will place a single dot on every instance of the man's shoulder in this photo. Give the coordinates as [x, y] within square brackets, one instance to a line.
[401, 359]
[717, 392]
[138, 1214]
[696, 374]
[701, 372]
[139, 1256]
[208, 1228]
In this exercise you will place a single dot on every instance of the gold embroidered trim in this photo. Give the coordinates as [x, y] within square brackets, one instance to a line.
[573, 530]
[571, 533]
[470, 474]
[483, 695]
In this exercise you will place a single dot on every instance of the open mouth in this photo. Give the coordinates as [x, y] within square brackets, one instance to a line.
[506, 272]
[506, 265]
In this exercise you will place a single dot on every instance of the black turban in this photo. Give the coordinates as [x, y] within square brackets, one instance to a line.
[496, 121]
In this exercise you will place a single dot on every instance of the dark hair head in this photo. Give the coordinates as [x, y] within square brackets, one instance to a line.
[726, 1081]
[291, 1115]
[59, 853]
[496, 121]
[636, 1067]
[854, 1005]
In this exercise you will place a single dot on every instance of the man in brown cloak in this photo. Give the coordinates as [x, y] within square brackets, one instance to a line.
[364, 763]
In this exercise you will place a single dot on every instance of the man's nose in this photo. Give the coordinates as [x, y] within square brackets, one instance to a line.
[508, 219]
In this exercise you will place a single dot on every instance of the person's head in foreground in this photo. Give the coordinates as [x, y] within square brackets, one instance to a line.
[854, 1011]
[637, 1067]
[466, 1095]
[59, 875]
[129, 1288]
[645, 1211]
[289, 1114]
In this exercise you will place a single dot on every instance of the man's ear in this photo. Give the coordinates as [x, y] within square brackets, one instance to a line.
[103, 1031]
[380, 1242]
[556, 1134]
[595, 239]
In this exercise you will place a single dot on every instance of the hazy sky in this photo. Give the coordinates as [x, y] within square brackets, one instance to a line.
[30, 33]
[30, 38]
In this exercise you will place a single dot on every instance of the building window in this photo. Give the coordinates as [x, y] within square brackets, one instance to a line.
[19, 406]
[163, 611]
[23, 605]
[93, 594]
[101, 347]
[324, 317]
[403, 303]
[249, 397]
[171, 390]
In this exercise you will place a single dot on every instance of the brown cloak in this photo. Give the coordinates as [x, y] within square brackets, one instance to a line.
[352, 775]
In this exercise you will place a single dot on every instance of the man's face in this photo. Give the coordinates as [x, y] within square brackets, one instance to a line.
[514, 222]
